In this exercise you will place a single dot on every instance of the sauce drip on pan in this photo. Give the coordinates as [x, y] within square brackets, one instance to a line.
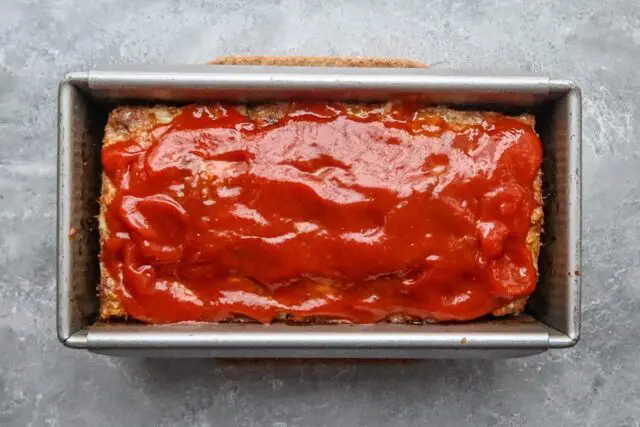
[332, 210]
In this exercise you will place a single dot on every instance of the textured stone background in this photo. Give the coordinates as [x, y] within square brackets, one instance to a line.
[594, 42]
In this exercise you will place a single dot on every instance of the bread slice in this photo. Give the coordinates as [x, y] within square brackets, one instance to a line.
[136, 122]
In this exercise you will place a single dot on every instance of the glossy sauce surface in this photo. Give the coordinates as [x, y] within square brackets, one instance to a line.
[353, 212]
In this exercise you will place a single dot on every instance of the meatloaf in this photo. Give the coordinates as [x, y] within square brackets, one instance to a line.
[317, 213]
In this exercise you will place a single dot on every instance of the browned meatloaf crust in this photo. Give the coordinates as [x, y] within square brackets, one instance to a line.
[129, 122]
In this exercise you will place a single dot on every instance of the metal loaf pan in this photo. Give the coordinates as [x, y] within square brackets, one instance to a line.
[552, 319]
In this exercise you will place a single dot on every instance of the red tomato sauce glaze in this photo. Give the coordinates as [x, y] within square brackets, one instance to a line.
[344, 212]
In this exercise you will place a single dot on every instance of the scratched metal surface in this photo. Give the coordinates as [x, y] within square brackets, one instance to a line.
[596, 383]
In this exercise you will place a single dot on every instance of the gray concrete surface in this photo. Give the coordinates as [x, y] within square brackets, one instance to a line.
[596, 384]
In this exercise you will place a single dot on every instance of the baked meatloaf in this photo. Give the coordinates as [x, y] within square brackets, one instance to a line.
[317, 212]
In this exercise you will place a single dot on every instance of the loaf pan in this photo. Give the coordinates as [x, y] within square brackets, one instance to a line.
[552, 318]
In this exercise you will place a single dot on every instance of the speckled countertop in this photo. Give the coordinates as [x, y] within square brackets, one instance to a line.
[597, 383]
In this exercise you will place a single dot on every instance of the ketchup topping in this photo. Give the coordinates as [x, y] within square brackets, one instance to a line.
[352, 212]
